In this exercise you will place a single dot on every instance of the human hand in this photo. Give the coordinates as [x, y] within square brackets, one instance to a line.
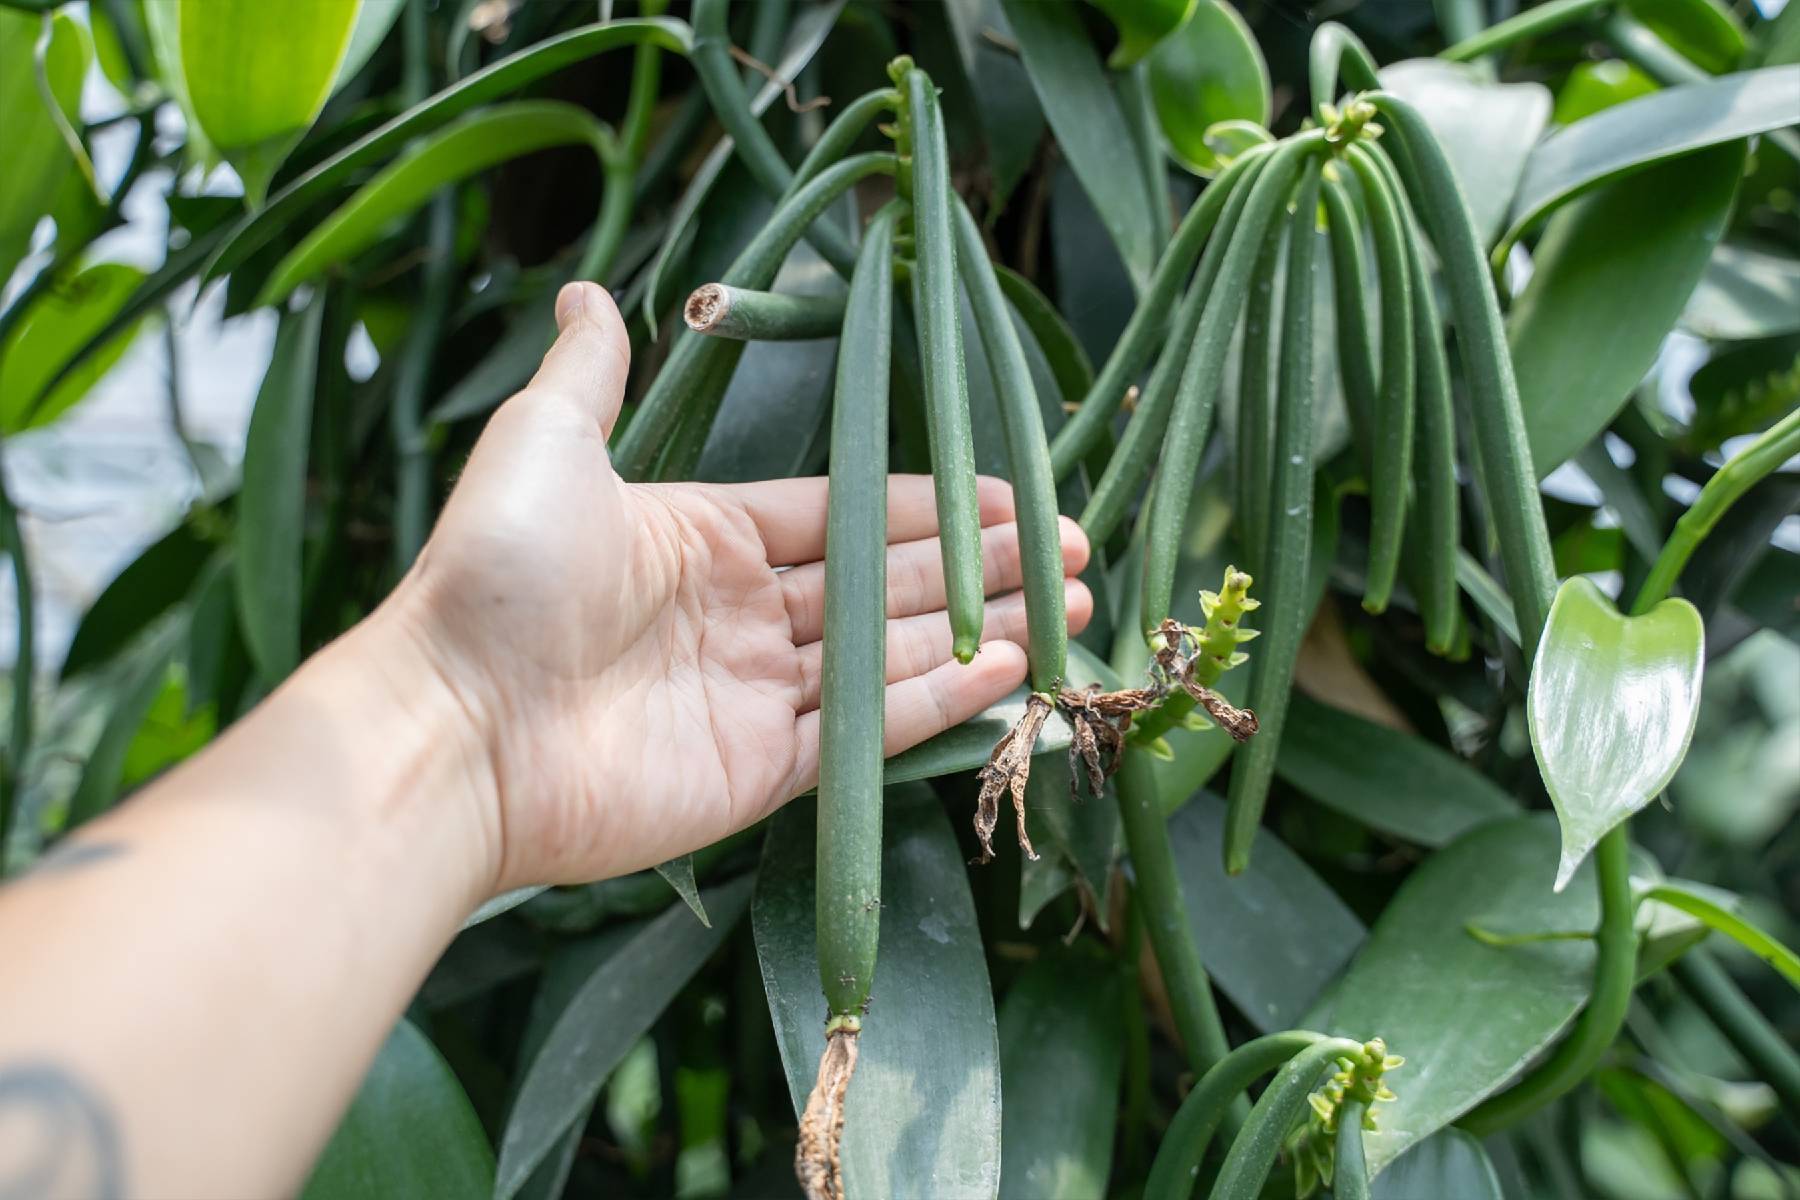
[638, 672]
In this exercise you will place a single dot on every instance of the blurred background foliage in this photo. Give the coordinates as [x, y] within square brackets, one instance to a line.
[194, 501]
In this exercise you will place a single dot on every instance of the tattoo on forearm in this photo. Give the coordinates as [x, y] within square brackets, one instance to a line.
[72, 856]
[57, 1136]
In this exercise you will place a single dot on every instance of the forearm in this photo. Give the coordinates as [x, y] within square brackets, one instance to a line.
[196, 983]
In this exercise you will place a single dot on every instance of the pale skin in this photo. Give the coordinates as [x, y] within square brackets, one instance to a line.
[579, 678]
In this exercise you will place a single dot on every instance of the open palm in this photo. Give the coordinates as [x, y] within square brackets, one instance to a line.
[642, 660]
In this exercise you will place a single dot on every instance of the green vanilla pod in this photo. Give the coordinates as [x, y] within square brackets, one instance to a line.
[1028, 456]
[1150, 321]
[937, 304]
[1288, 548]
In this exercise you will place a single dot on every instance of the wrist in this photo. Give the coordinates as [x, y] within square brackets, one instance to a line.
[425, 777]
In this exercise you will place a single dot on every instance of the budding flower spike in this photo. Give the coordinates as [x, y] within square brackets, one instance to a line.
[1359, 1081]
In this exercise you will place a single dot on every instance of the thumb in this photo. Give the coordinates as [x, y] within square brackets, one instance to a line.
[592, 355]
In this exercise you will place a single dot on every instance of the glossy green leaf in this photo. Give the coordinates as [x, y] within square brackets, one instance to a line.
[1593, 86]
[1697, 903]
[1084, 114]
[1486, 128]
[493, 82]
[1648, 236]
[1646, 131]
[623, 997]
[63, 320]
[1447, 1164]
[923, 1110]
[1746, 293]
[1467, 1016]
[271, 512]
[467, 147]
[1062, 1047]
[37, 157]
[410, 1131]
[1611, 704]
[1272, 936]
[1142, 24]
[162, 26]
[1396, 783]
[1704, 32]
[967, 746]
[170, 731]
[257, 74]
[1209, 70]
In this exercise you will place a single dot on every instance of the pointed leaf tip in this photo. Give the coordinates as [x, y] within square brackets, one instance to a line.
[1611, 706]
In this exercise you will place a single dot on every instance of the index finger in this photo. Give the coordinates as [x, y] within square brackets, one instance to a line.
[790, 513]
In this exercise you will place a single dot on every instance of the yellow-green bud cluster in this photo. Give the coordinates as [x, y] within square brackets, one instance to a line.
[1355, 120]
[1224, 632]
[1313, 1146]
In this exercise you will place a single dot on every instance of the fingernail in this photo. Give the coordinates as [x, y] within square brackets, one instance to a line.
[569, 303]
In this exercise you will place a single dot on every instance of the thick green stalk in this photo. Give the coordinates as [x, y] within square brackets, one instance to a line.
[646, 82]
[1184, 1146]
[1146, 140]
[616, 204]
[1252, 1155]
[854, 670]
[24, 670]
[1777, 444]
[938, 304]
[1502, 448]
[1535, 21]
[1150, 320]
[1615, 974]
[752, 315]
[1205, 367]
[1350, 1174]
[1459, 19]
[673, 393]
[731, 104]
[1289, 545]
[1164, 913]
[1334, 50]
[844, 129]
[1028, 457]
[1763, 1047]
[1392, 423]
[412, 444]
[1256, 397]
[1434, 466]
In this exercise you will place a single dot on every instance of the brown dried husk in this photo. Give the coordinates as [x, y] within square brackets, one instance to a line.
[816, 1156]
[1007, 770]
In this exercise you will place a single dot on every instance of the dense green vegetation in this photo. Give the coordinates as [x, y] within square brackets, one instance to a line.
[1343, 876]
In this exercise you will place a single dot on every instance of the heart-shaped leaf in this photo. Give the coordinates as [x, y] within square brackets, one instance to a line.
[1611, 705]
[1207, 71]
